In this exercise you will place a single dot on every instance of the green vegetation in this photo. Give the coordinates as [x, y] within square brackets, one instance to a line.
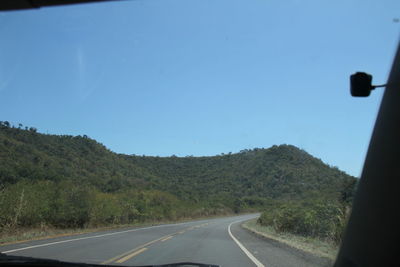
[73, 181]
[315, 246]
[312, 217]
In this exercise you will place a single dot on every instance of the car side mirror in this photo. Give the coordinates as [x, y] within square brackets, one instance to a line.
[361, 84]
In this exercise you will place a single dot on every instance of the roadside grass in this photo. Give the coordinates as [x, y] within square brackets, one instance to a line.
[27, 234]
[314, 246]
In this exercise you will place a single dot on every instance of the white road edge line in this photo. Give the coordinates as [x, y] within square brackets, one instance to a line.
[89, 237]
[248, 254]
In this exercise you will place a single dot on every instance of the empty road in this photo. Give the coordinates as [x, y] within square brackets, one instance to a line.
[214, 241]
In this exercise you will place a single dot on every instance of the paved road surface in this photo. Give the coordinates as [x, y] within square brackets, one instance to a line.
[217, 241]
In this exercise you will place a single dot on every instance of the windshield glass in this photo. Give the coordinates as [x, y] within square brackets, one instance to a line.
[152, 132]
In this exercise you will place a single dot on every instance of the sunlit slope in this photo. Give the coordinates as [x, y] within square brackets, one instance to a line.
[282, 171]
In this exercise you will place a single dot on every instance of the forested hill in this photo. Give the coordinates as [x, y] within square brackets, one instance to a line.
[283, 171]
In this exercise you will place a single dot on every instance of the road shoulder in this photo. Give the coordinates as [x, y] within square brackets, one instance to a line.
[274, 253]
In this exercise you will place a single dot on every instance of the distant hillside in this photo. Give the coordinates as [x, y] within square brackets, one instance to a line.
[278, 172]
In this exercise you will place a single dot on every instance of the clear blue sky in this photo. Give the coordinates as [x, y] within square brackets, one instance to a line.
[200, 77]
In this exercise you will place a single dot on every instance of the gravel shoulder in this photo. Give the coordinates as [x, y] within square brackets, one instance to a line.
[284, 250]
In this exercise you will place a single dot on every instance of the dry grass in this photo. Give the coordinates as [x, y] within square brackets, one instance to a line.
[314, 246]
[26, 234]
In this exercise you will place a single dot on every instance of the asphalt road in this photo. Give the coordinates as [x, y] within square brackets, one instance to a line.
[215, 241]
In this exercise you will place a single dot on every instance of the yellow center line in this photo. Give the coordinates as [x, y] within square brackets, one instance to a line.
[133, 250]
[131, 255]
[167, 238]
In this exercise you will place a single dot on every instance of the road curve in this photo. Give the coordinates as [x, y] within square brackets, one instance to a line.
[215, 241]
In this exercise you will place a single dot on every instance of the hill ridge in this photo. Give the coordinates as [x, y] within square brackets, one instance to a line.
[278, 171]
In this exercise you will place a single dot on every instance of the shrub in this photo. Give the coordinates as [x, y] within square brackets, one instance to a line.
[315, 218]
